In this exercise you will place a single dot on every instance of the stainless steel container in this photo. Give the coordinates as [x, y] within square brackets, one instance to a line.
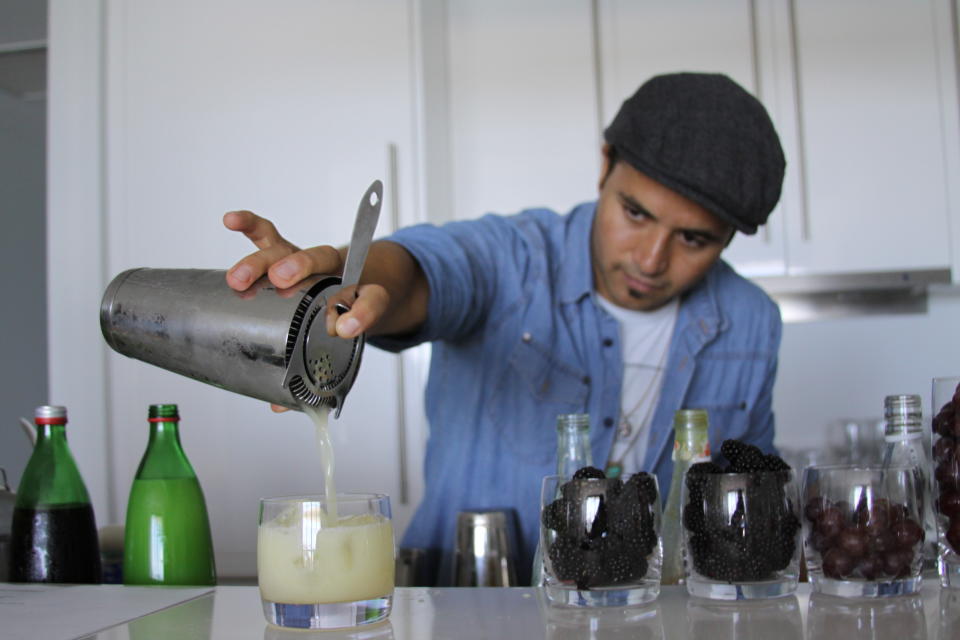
[266, 343]
[484, 554]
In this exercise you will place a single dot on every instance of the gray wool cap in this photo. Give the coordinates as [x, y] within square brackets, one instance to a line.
[703, 136]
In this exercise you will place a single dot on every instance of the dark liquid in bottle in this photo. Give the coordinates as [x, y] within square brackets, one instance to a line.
[55, 544]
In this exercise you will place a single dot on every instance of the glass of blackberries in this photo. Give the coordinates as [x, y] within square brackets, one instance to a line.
[863, 530]
[601, 539]
[946, 475]
[741, 524]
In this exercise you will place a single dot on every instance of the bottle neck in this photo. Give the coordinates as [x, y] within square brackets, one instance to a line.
[573, 449]
[692, 442]
[51, 477]
[164, 458]
[51, 434]
[164, 433]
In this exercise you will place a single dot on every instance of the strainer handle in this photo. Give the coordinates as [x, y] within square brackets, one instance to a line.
[367, 215]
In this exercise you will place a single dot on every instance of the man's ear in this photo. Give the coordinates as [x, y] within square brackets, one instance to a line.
[609, 158]
[733, 232]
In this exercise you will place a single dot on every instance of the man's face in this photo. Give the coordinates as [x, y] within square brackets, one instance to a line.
[649, 244]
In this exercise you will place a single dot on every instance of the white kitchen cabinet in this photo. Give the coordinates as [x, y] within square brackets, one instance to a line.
[522, 110]
[875, 105]
[864, 97]
[289, 109]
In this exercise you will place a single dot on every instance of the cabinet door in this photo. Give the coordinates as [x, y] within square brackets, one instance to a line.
[523, 126]
[872, 127]
[641, 39]
[289, 109]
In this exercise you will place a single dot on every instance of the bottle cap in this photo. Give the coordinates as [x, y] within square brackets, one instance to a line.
[902, 413]
[163, 413]
[51, 414]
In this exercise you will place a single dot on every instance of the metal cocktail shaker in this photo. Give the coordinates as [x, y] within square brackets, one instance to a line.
[266, 343]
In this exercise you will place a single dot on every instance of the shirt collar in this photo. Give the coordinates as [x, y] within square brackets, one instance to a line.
[574, 272]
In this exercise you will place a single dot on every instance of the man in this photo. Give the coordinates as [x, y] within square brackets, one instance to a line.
[621, 309]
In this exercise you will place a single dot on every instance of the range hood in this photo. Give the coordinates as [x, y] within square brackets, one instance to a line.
[805, 298]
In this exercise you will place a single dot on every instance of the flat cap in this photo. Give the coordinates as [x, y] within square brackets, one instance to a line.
[705, 137]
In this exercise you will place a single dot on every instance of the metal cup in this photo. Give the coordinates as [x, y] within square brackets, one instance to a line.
[483, 556]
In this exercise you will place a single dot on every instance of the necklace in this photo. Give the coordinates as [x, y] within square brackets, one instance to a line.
[614, 466]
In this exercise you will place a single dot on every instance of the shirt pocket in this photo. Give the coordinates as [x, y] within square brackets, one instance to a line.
[727, 420]
[534, 388]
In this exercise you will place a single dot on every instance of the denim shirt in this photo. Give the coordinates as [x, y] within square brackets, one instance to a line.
[519, 338]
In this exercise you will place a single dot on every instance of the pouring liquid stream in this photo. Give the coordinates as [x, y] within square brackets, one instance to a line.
[320, 417]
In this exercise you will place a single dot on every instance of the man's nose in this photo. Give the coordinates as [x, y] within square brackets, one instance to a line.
[653, 254]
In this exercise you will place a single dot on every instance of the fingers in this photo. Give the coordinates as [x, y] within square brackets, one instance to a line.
[259, 230]
[272, 247]
[366, 304]
[276, 408]
[241, 275]
[296, 266]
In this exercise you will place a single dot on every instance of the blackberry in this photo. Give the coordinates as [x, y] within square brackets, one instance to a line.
[643, 486]
[555, 515]
[701, 468]
[693, 519]
[775, 463]
[589, 472]
[566, 558]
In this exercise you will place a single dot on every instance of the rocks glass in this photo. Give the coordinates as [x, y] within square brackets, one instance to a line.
[946, 477]
[741, 534]
[862, 530]
[601, 541]
[324, 564]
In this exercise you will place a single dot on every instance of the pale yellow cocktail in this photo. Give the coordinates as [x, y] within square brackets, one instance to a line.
[317, 572]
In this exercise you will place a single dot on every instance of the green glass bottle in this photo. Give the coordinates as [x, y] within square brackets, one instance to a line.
[53, 536]
[167, 537]
[691, 445]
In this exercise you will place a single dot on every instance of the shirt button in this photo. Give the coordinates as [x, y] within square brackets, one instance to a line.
[607, 342]
[586, 379]
[526, 337]
[608, 422]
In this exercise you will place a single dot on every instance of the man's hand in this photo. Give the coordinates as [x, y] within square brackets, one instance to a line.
[286, 265]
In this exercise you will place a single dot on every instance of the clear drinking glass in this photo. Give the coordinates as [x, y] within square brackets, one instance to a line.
[325, 566]
[862, 529]
[945, 429]
[601, 541]
[741, 534]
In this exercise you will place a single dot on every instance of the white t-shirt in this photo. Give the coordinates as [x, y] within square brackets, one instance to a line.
[645, 340]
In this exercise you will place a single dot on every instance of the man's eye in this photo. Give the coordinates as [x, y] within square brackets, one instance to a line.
[638, 214]
[693, 239]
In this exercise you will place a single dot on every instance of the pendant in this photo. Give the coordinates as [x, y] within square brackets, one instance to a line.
[613, 470]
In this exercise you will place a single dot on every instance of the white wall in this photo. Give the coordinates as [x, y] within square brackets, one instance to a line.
[843, 368]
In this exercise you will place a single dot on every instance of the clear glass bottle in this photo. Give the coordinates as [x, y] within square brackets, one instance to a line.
[573, 453]
[53, 535]
[167, 536]
[691, 445]
[904, 446]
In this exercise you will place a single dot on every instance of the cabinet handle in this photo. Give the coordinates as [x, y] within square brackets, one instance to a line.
[394, 182]
[757, 77]
[798, 105]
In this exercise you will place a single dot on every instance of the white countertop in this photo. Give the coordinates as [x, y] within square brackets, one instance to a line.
[492, 613]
